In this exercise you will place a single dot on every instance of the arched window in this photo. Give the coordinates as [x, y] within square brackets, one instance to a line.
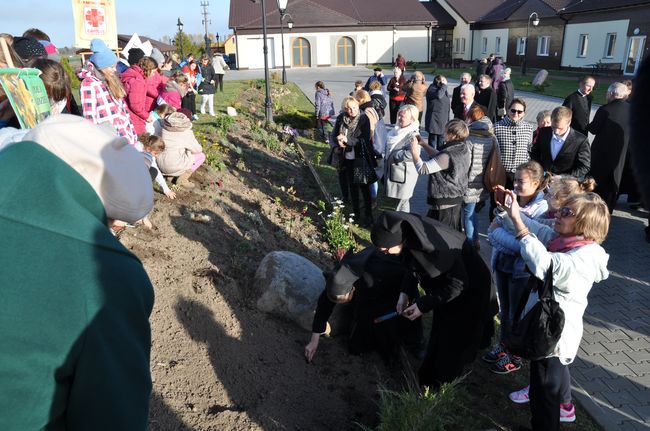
[300, 52]
[345, 52]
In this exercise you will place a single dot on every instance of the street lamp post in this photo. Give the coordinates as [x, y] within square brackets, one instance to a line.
[268, 113]
[535, 24]
[179, 24]
[282, 7]
[428, 26]
[393, 50]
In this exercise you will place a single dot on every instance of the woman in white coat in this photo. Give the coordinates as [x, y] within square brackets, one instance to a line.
[573, 246]
[400, 173]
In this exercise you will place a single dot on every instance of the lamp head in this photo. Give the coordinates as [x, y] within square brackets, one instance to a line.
[536, 22]
[179, 24]
[282, 5]
[290, 24]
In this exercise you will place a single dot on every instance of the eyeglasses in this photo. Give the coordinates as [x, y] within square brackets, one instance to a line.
[516, 111]
[565, 212]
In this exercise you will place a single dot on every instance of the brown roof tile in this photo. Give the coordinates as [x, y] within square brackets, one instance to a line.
[324, 13]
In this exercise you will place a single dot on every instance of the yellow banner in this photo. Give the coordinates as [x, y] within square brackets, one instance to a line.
[94, 19]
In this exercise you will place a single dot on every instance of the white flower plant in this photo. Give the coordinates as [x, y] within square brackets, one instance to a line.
[338, 233]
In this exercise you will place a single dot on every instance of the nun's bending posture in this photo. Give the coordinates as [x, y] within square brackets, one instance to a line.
[457, 283]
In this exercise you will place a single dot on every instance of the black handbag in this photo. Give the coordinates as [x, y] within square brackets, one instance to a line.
[535, 335]
[362, 170]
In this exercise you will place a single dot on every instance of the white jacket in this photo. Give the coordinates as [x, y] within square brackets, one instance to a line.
[574, 273]
[219, 65]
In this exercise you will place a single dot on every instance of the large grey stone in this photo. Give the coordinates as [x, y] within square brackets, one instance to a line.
[540, 78]
[289, 286]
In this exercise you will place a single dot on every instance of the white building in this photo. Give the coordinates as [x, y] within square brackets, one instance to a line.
[336, 32]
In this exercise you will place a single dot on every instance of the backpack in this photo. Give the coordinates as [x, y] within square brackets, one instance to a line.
[535, 334]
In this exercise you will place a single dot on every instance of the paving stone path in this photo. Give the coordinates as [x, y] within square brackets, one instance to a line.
[611, 375]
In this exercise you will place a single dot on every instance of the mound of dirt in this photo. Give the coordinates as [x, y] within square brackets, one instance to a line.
[217, 362]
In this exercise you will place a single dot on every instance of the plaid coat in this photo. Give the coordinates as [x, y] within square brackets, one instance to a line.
[515, 141]
[99, 106]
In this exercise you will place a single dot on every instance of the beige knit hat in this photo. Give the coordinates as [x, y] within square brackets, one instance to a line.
[113, 168]
[177, 122]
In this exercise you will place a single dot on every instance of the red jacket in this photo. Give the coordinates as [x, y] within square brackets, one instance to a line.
[155, 86]
[136, 95]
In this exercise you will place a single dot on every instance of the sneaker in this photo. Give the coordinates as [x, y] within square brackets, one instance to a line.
[567, 413]
[504, 365]
[493, 355]
[195, 117]
[520, 396]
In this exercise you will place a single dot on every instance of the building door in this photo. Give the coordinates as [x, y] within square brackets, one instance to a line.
[634, 54]
[255, 53]
[300, 53]
[345, 52]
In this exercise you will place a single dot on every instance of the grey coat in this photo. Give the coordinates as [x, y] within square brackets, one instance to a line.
[480, 141]
[401, 175]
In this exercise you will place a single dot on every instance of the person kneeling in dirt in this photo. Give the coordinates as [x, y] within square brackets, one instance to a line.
[369, 281]
[457, 284]
[183, 154]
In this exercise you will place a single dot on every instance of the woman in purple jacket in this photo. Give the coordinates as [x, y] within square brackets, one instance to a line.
[324, 108]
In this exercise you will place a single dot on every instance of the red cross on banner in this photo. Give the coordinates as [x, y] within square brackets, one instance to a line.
[94, 18]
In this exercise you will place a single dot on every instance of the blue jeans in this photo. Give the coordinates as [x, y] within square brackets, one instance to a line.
[470, 221]
[510, 291]
[374, 189]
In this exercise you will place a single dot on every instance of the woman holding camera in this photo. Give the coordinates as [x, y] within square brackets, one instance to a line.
[572, 245]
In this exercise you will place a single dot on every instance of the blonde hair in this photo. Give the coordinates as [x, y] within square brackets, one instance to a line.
[412, 109]
[592, 216]
[347, 101]
[563, 187]
[456, 130]
[418, 76]
[179, 77]
[148, 66]
[375, 85]
[362, 96]
[113, 84]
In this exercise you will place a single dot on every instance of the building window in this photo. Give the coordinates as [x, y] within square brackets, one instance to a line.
[610, 43]
[459, 45]
[484, 45]
[583, 44]
[497, 45]
[300, 52]
[345, 52]
[462, 45]
[521, 45]
[543, 43]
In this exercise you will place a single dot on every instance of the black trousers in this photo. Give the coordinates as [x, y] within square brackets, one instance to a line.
[350, 191]
[189, 102]
[545, 379]
[218, 81]
[393, 106]
[449, 216]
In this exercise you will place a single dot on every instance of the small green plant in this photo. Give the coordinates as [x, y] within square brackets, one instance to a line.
[411, 410]
[224, 123]
[337, 229]
[214, 157]
[318, 157]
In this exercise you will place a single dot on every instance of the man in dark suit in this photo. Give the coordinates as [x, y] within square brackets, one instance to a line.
[456, 103]
[560, 149]
[486, 96]
[505, 94]
[467, 94]
[611, 128]
[579, 102]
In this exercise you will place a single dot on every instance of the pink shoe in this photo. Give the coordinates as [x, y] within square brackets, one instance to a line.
[567, 413]
[520, 396]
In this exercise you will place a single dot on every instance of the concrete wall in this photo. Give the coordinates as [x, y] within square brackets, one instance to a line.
[370, 47]
[460, 31]
[597, 32]
[491, 36]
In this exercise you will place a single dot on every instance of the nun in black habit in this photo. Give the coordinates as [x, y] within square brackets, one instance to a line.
[457, 283]
[369, 281]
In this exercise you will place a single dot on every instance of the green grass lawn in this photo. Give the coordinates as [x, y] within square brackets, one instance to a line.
[558, 84]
